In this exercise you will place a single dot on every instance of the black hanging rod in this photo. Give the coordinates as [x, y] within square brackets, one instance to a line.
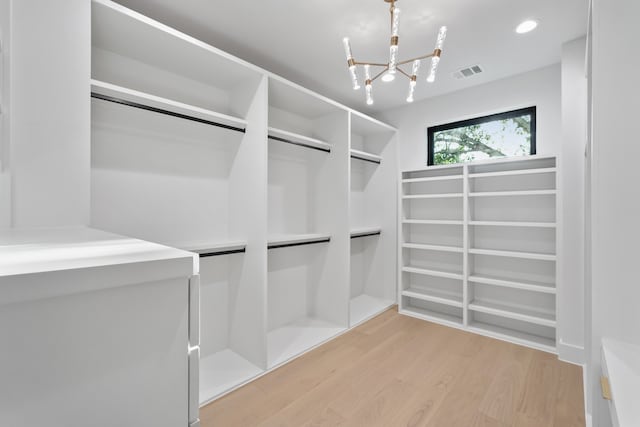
[370, 233]
[302, 144]
[232, 251]
[287, 245]
[355, 156]
[166, 112]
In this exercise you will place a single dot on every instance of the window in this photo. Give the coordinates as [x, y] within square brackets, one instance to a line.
[499, 135]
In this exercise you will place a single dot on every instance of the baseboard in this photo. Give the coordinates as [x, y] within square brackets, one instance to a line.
[571, 353]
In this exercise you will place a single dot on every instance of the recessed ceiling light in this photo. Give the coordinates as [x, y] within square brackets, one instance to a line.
[526, 26]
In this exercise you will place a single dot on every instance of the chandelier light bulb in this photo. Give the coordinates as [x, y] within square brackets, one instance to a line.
[442, 34]
[351, 63]
[393, 47]
[388, 77]
[367, 89]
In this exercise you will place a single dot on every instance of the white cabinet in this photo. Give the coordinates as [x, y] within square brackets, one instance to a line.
[94, 330]
[478, 248]
[266, 180]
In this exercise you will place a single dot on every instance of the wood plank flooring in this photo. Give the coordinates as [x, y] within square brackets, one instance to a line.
[398, 371]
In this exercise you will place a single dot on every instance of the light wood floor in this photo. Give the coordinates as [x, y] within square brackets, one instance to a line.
[399, 371]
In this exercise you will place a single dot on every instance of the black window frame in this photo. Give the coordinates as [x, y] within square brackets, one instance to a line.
[479, 120]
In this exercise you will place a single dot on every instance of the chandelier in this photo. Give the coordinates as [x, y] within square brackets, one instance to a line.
[390, 69]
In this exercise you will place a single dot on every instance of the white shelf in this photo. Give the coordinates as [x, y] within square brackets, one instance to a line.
[433, 273]
[432, 221]
[175, 107]
[514, 284]
[432, 316]
[222, 372]
[298, 337]
[433, 196]
[432, 179]
[364, 307]
[514, 224]
[512, 172]
[216, 248]
[441, 297]
[511, 335]
[296, 239]
[438, 248]
[363, 155]
[538, 317]
[621, 366]
[514, 193]
[298, 139]
[365, 231]
[513, 254]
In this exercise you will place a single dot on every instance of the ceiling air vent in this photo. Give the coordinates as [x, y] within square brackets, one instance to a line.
[468, 72]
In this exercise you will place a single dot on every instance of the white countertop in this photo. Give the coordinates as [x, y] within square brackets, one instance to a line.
[29, 251]
[621, 364]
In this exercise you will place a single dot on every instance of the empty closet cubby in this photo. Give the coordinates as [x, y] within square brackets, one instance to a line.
[372, 218]
[489, 256]
[307, 301]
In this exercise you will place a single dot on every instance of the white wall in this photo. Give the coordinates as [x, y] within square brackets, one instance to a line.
[540, 88]
[49, 112]
[5, 175]
[572, 162]
[615, 208]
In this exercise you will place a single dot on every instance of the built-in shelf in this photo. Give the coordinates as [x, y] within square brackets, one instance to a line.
[432, 222]
[222, 372]
[367, 157]
[514, 193]
[514, 336]
[298, 337]
[364, 307]
[514, 224]
[433, 196]
[284, 241]
[433, 273]
[438, 296]
[220, 248]
[133, 98]
[512, 173]
[364, 232]
[432, 179]
[537, 317]
[432, 316]
[438, 248]
[546, 288]
[513, 254]
[296, 139]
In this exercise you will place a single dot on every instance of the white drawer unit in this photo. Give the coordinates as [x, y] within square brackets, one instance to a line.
[94, 329]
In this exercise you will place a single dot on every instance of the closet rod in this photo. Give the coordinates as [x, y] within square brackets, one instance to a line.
[302, 144]
[210, 254]
[355, 156]
[371, 233]
[287, 245]
[166, 112]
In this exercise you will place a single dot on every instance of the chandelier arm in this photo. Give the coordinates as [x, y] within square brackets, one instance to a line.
[419, 57]
[402, 71]
[370, 63]
[379, 74]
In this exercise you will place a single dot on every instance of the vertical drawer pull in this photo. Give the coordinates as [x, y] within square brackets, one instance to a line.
[606, 388]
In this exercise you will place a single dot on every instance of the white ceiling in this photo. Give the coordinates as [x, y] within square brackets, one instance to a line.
[301, 40]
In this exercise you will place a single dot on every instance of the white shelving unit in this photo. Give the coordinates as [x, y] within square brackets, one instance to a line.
[372, 219]
[478, 248]
[187, 141]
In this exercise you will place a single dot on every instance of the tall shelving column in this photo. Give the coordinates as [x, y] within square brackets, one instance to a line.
[432, 245]
[179, 158]
[513, 250]
[308, 257]
[373, 220]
